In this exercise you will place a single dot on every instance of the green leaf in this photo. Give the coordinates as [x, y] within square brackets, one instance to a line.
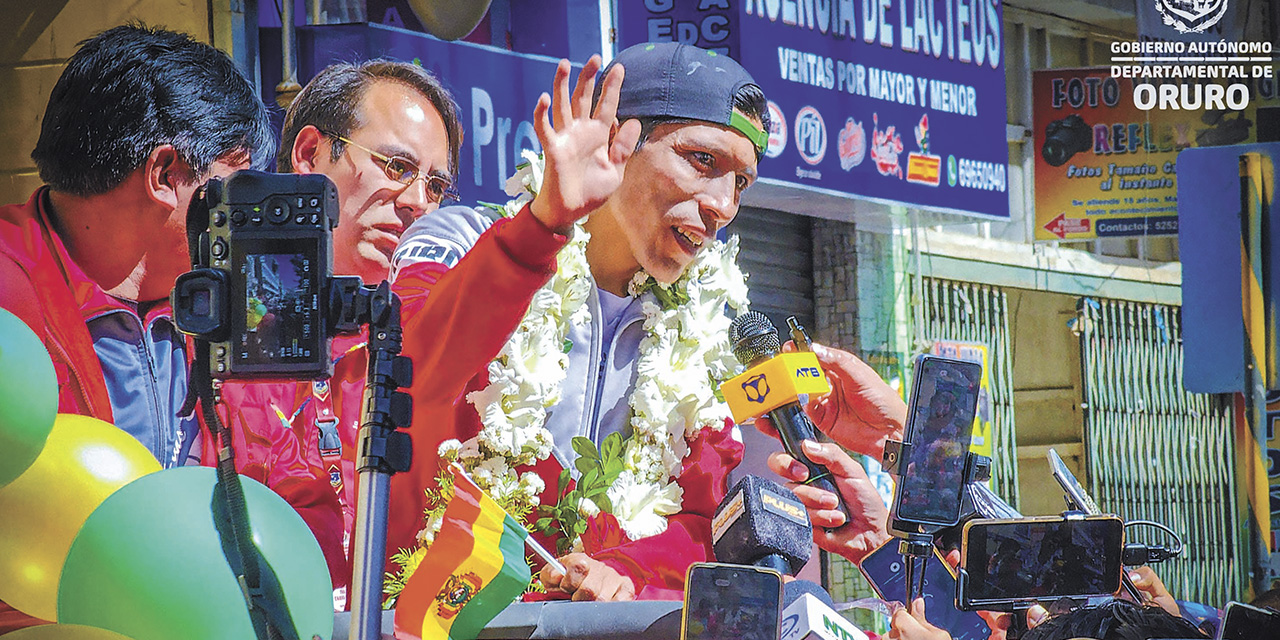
[565, 475]
[585, 448]
[543, 524]
[612, 446]
[613, 469]
[591, 478]
[567, 346]
[603, 501]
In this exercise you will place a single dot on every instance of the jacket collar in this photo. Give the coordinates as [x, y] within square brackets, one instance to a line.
[90, 298]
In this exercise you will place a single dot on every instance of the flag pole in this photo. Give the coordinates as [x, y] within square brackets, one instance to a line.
[545, 555]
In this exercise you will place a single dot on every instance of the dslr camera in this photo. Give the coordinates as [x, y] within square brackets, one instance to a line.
[261, 288]
[1065, 138]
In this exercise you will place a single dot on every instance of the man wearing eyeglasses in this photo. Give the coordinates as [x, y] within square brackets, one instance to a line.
[387, 134]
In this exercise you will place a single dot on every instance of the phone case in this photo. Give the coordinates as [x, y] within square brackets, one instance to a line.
[719, 613]
[900, 522]
[965, 599]
[881, 570]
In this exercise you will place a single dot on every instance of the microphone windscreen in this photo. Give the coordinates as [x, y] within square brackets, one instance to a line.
[791, 591]
[753, 337]
[761, 518]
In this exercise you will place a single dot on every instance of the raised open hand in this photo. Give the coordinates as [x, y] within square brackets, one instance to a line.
[586, 153]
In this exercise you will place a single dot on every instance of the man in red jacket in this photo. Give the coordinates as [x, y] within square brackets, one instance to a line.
[387, 134]
[467, 283]
[137, 121]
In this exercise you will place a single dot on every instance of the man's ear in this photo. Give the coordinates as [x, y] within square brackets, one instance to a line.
[164, 171]
[307, 147]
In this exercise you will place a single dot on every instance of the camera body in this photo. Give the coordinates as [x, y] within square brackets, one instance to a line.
[1064, 138]
[262, 271]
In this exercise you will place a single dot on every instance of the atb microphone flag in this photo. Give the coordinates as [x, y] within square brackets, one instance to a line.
[472, 571]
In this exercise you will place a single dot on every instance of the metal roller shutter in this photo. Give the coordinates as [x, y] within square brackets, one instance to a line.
[777, 255]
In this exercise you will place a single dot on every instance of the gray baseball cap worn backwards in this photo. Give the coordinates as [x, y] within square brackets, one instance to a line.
[666, 79]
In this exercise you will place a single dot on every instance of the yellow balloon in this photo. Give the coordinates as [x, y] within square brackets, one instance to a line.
[84, 461]
[63, 632]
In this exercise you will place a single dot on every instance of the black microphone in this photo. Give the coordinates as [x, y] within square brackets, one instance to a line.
[761, 523]
[755, 340]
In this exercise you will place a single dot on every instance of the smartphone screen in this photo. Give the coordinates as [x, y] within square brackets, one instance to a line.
[1044, 558]
[884, 569]
[728, 602]
[1245, 622]
[941, 428]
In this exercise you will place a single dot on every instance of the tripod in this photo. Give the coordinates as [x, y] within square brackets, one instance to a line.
[382, 449]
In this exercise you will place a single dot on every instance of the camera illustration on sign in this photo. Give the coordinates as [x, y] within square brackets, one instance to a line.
[1064, 138]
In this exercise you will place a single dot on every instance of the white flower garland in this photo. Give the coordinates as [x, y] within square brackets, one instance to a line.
[683, 358]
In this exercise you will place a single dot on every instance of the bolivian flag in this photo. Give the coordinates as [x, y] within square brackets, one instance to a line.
[473, 570]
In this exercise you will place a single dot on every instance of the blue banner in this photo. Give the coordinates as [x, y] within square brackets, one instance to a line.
[898, 101]
[495, 91]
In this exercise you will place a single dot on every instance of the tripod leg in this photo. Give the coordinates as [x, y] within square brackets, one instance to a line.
[911, 578]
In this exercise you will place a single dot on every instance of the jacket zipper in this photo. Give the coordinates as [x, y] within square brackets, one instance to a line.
[599, 362]
[72, 373]
[591, 400]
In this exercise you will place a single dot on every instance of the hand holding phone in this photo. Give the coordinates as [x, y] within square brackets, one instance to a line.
[911, 624]
[884, 570]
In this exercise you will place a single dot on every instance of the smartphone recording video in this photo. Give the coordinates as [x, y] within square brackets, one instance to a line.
[731, 602]
[939, 429]
[1012, 562]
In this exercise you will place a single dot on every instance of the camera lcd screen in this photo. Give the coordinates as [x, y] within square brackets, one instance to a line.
[943, 407]
[276, 320]
[724, 602]
[1037, 559]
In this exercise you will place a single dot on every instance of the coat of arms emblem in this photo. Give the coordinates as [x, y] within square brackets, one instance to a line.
[456, 592]
[1191, 16]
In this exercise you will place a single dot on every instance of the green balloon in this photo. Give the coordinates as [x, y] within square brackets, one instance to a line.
[28, 396]
[63, 632]
[149, 563]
